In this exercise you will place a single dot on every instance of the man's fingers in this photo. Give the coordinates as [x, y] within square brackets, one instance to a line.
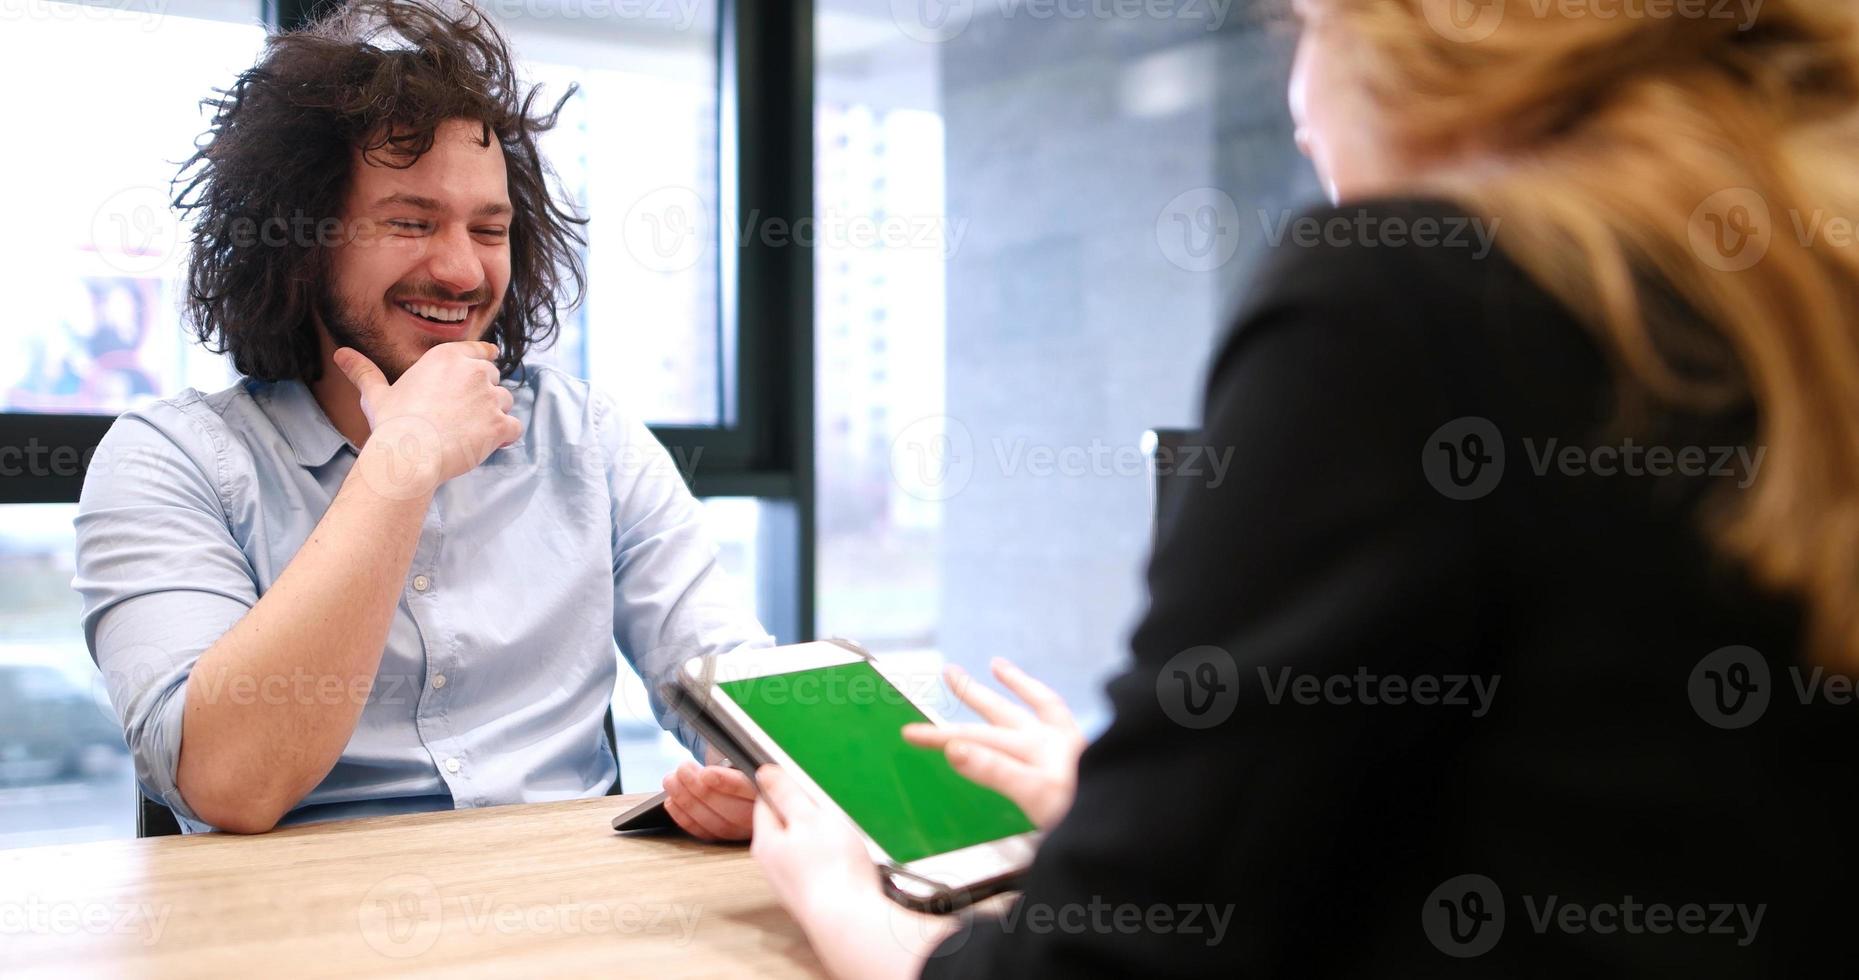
[360, 371]
[685, 820]
[1015, 742]
[993, 769]
[986, 703]
[480, 349]
[692, 803]
[728, 782]
[1044, 701]
[733, 810]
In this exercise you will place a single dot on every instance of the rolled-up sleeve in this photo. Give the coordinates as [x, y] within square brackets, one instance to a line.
[161, 575]
[671, 599]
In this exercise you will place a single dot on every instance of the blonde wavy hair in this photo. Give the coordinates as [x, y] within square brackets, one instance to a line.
[1624, 155]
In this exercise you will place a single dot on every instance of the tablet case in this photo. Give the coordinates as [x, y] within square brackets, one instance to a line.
[650, 816]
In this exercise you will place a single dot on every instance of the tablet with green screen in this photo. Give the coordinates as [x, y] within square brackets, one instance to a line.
[835, 720]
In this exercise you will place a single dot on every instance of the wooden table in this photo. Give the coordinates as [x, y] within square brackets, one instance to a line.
[538, 890]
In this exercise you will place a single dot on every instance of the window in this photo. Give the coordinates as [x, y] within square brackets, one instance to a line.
[756, 541]
[65, 774]
[95, 327]
[1005, 304]
[636, 148]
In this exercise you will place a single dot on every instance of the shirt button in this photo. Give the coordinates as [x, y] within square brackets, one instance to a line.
[421, 583]
[451, 765]
[438, 681]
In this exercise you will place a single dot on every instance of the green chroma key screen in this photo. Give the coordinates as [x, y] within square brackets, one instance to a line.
[844, 726]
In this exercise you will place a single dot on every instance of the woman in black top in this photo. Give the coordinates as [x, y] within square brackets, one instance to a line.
[1517, 643]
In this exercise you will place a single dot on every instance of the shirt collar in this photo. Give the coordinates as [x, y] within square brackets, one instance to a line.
[294, 410]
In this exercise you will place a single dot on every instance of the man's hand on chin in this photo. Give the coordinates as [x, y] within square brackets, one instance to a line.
[711, 802]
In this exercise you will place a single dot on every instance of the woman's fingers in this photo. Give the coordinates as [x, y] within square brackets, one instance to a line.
[1045, 702]
[996, 770]
[986, 703]
[1016, 742]
[768, 827]
[789, 801]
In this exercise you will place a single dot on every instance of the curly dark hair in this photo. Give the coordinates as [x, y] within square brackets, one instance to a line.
[380, 76]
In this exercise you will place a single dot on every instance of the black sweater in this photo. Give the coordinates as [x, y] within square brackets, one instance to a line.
[1560, 618]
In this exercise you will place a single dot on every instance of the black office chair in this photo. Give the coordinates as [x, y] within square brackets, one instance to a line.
[156, 820]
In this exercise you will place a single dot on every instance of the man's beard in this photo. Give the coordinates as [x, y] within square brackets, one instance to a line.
[365, 334]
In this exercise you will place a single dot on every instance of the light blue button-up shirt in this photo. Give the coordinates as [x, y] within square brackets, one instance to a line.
[499, 666]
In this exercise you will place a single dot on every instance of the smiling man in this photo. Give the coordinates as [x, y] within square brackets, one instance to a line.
[387, 571]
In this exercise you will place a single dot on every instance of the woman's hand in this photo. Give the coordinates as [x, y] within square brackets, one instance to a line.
[820, 870]
[1030, 757]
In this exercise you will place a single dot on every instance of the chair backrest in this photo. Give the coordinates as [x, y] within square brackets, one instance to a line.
[155, 820]
[1168, 465]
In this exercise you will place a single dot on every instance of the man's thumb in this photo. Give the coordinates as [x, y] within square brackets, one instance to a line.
[361, 372]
